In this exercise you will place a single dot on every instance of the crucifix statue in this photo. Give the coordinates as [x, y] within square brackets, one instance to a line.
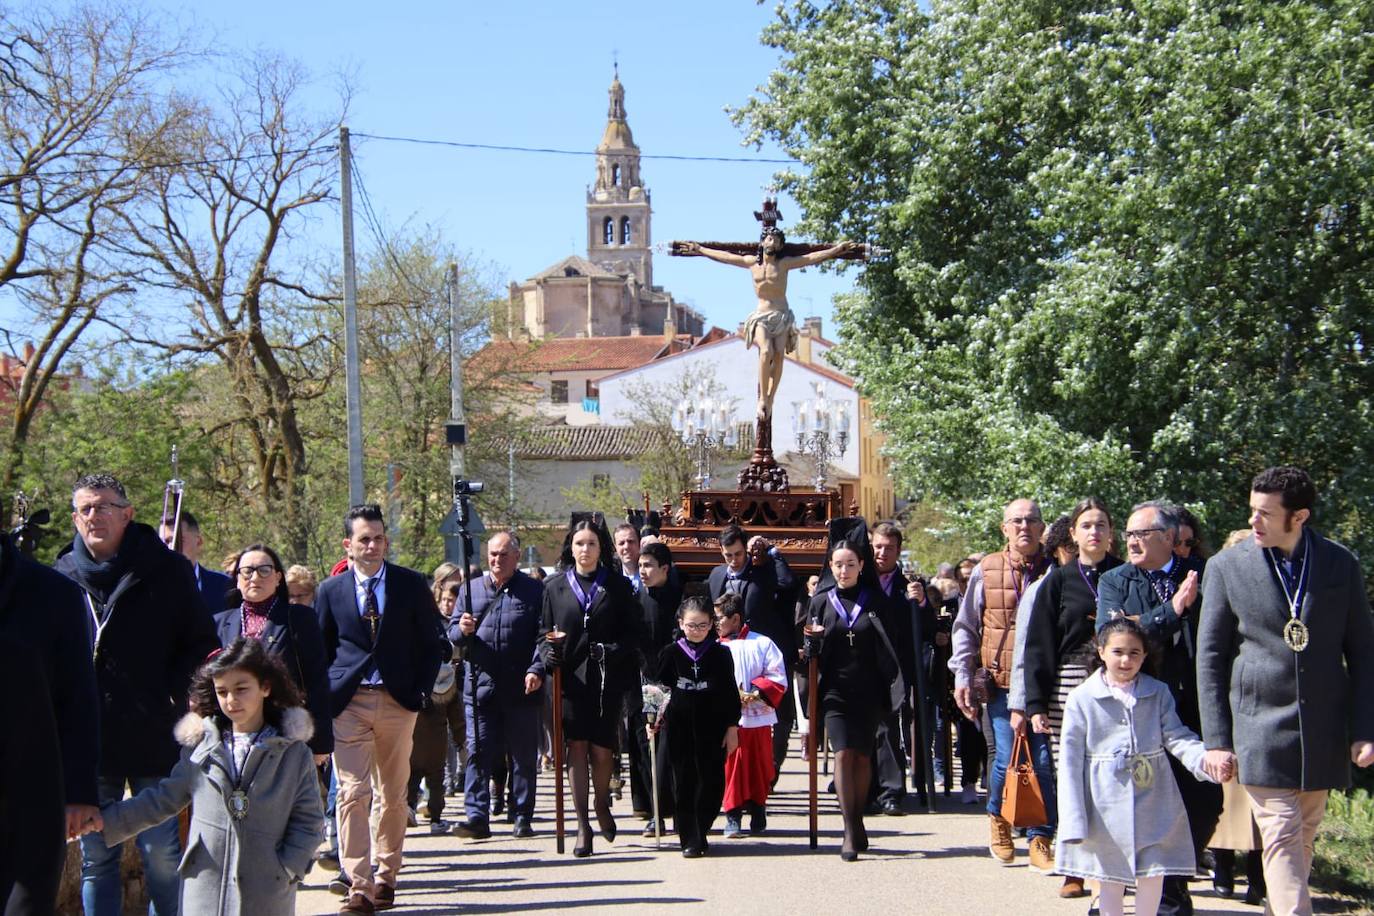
[772, 327]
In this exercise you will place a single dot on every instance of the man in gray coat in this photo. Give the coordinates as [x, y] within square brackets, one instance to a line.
[1285, 673]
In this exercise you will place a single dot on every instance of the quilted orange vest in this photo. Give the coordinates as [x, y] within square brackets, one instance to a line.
[1004, 582]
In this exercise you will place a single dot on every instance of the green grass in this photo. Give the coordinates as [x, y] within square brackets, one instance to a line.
[1344, 860]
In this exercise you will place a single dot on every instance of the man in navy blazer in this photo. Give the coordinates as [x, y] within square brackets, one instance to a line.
[757, 572]
[213, 585]
[383, 642]
[1163, 590]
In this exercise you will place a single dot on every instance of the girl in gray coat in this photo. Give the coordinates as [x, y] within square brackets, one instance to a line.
[1121, 818]
[249, 778]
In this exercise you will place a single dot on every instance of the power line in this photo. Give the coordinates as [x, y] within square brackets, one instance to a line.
[567, 152]
[325, 148]
[135, 165]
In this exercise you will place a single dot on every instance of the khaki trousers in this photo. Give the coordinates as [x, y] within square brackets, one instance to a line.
[1287, 821]
[372, 742]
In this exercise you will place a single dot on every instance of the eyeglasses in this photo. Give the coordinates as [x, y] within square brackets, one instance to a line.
[262, 572]
[101, 509]
[1023, 521]
[1140, 534]
[696, 626]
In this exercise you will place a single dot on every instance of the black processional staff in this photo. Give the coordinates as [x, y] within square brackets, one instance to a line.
[462, 513]
[172, 495]
[813, 664]
[923, 723]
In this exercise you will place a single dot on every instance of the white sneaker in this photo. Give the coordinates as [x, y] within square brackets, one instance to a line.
[970, 795]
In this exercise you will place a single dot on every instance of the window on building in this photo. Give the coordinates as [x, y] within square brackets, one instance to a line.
[593, 390]
[608, 231]
[615, 175]
[601, 481]
[558, 392]
[624, 230]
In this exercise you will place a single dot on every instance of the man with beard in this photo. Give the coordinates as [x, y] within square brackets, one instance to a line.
[1286, 673]
[903, 600]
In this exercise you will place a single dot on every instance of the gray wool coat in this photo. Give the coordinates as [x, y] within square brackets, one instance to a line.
[1290, 717]
[250, 866]
[1109, 830]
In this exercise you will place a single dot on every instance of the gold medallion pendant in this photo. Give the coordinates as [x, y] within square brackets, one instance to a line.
[1142, 772]
[1295, 633]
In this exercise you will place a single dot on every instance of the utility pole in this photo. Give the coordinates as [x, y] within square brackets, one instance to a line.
[354, 395]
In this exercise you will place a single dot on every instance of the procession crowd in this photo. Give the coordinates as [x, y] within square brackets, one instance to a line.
[1175, 709]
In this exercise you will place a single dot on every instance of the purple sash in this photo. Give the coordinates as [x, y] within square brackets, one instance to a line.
[848, 618]
[585, 599]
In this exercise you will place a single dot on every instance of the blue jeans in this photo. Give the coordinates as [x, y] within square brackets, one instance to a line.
[102, 891]
[1040, 757]
[331, 802]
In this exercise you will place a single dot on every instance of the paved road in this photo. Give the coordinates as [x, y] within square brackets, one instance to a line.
[919, 863]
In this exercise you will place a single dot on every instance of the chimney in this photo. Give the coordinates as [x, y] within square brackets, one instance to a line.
[669, 327]
[28, 352]
[812, 326]
[636, 331]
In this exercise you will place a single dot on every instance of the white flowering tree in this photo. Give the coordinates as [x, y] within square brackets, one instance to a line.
[1131, 242]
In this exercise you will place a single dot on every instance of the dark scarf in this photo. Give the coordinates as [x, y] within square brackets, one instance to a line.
[98, 577]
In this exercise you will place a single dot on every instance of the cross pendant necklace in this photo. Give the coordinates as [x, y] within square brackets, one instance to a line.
[850, 635]
[696, 672]
[372, 617]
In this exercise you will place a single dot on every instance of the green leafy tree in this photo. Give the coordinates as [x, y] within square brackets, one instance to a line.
[1131, 244]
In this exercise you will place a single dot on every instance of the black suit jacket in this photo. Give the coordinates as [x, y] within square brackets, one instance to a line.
[899, 614]
[293, 635]
[213, 587]
[1127, 588]
[410, 643]
[768, 601]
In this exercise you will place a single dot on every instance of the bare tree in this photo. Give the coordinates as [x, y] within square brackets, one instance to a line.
[217, 242]
[81, 123]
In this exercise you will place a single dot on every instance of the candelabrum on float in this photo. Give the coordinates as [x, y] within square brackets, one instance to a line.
[705, 424]
[822, 429]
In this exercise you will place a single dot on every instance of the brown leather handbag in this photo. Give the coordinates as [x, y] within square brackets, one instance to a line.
[1023, 804]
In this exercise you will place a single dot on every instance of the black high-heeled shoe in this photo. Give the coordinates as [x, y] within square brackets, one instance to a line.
[606, 822]
[583, 849]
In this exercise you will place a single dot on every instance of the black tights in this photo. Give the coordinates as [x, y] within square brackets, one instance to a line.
[853, 773]
[601, 757]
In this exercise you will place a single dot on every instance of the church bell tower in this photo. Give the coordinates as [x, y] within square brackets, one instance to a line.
[618, 208]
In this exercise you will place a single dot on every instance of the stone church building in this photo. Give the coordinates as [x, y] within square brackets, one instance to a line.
[611, 291]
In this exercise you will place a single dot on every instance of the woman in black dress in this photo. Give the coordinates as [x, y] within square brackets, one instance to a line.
[859, 681]
[591, 631]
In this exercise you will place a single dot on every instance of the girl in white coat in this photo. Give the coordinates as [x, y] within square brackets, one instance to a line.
[1121, 818]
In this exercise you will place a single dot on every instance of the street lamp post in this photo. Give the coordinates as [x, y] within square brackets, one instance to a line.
[822, 429]
[704, 424]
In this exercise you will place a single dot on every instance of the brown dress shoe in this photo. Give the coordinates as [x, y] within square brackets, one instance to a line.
[1072, 887]
[386, 897]
[357, 905]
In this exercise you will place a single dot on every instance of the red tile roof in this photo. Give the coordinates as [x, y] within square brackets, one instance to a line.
[567, 354]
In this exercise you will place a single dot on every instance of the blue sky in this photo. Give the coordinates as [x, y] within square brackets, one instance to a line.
[535, 74]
